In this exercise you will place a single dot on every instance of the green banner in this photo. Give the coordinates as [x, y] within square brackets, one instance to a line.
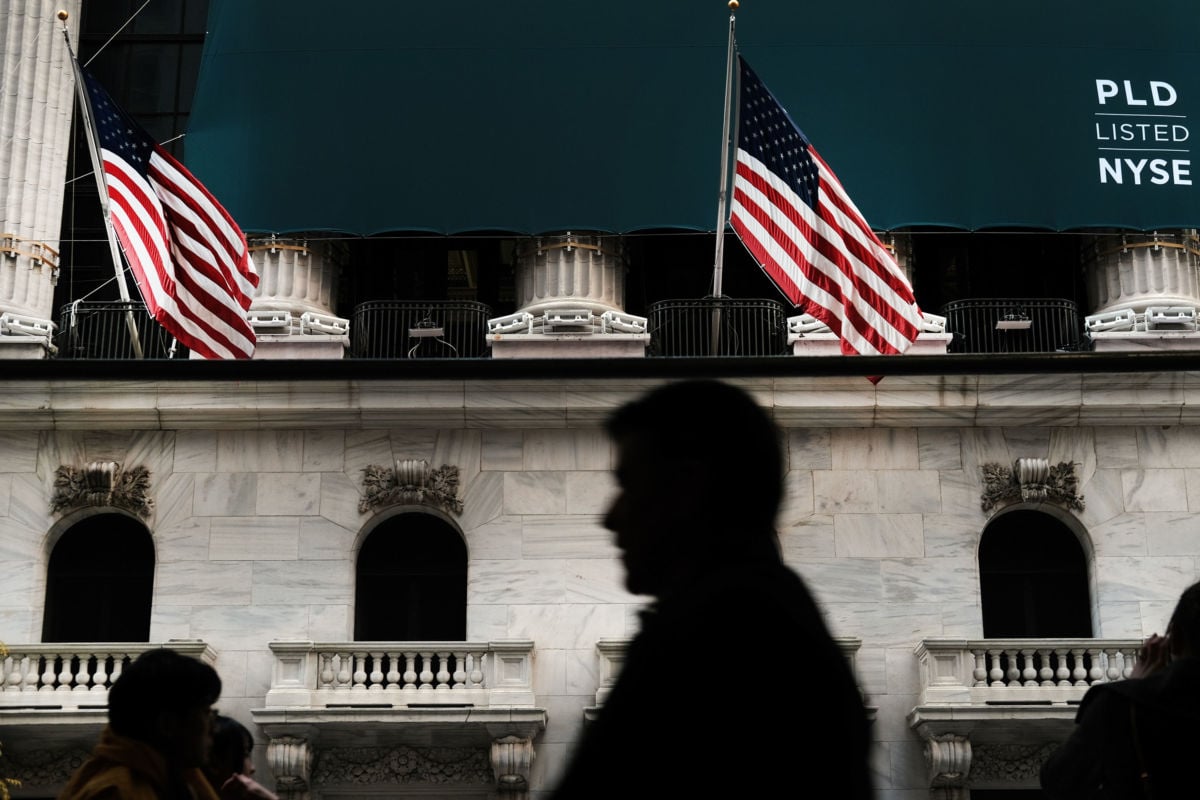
[540, 116]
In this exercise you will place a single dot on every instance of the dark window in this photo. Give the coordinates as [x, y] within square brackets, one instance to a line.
[1033, 579]
[100, 582]
[411, 582]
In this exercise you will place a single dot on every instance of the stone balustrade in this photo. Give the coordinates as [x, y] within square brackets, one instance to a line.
[73, 676]
[399, 674]
[978, 672]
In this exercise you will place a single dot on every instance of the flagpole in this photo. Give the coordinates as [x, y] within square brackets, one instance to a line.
[723, 200]
[85, 109]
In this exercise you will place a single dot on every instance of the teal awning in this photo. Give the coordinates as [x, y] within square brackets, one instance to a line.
[547, 115]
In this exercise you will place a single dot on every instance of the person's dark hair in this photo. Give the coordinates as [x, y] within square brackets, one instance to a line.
[232, 742]
[716, 424]
[156, 681]
[1184, 627]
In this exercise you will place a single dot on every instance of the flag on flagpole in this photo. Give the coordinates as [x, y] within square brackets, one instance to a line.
[188, 256]
[792, 214]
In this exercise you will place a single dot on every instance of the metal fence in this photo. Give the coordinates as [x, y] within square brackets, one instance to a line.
[717, 327]
[1014, 325]
[427, 329]
[100, 329]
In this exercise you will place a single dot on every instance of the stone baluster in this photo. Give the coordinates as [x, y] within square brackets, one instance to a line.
[980, 673]
[1012, 676]
[1062, 673]
[393, 674]
[376, 672]
[443, 673]
[460, 671]
[426, 676]
[475, 666]
[327, 674]
[1028, 672]
[410, 672]
[345, 674]
[33, 674]
[100, 678]
[995, 673]
[1096, 673]
[1046, 672]
[83, 676]
[1079, 671]
[360, 672]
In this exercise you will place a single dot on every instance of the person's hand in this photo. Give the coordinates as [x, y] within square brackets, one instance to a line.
[1154, 654]
[243, 787]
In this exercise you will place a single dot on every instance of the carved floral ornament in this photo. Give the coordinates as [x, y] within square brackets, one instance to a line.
[410, 482]
[1031, 480]
[105, 484]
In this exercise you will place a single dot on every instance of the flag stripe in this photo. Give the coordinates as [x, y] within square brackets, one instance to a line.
[188, 256]
[796, 219]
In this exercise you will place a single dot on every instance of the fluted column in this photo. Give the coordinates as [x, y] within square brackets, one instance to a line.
[1136, 271]
[293, 308]
[576, 270]
[36, 103]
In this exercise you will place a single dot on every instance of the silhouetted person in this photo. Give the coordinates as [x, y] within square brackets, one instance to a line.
[230, 769]
[733, 686]
[1138, 738]
[158, 733]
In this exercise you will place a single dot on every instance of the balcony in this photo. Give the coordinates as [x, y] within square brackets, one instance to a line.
[450, 693]
[91, 329]
[1014, 325]
[57, 694]
[715, 326]
[993, 689]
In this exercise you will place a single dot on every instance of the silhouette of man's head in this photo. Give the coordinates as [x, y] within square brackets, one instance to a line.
[700, 471]
[1184, 627]
[164, 698]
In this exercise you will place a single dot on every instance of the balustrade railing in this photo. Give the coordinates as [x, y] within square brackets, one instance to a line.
[73, 675]
[1013, 325]
[1001, 671]
[380, 674]
[717, 326]
[425, 329]
[97, 329]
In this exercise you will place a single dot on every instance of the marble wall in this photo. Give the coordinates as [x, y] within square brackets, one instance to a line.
[256, 532]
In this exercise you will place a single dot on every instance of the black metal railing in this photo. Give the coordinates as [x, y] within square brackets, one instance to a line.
[717, 327]
[1013, 325]
[425, 329]
[100, 329]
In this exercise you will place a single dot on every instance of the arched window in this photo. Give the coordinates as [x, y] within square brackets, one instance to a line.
[1033, 578]
[100, 582]
[411, 582]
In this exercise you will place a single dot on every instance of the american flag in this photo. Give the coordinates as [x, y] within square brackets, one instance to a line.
[792, 214]
[187, 254]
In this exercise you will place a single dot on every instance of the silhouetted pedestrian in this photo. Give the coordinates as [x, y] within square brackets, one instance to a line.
[733, 686]
[1138, 738]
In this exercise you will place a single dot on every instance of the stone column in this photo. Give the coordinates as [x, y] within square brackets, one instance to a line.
[293, 308]
[36, 103]
[570, 293]
[1136, 271]
[571, 270]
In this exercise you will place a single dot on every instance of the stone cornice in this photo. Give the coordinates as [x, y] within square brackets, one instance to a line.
[992, 400]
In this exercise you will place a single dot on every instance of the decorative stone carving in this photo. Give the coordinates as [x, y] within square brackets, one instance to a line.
[290, 758]
[1011, 763]
[403, 764]
[41, 767]
[410, 482]
[949, 759]
[102, 483]
[1031, 480]
[511, 759]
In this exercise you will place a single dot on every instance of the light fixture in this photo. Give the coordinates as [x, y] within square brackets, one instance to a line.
[1014, 322]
